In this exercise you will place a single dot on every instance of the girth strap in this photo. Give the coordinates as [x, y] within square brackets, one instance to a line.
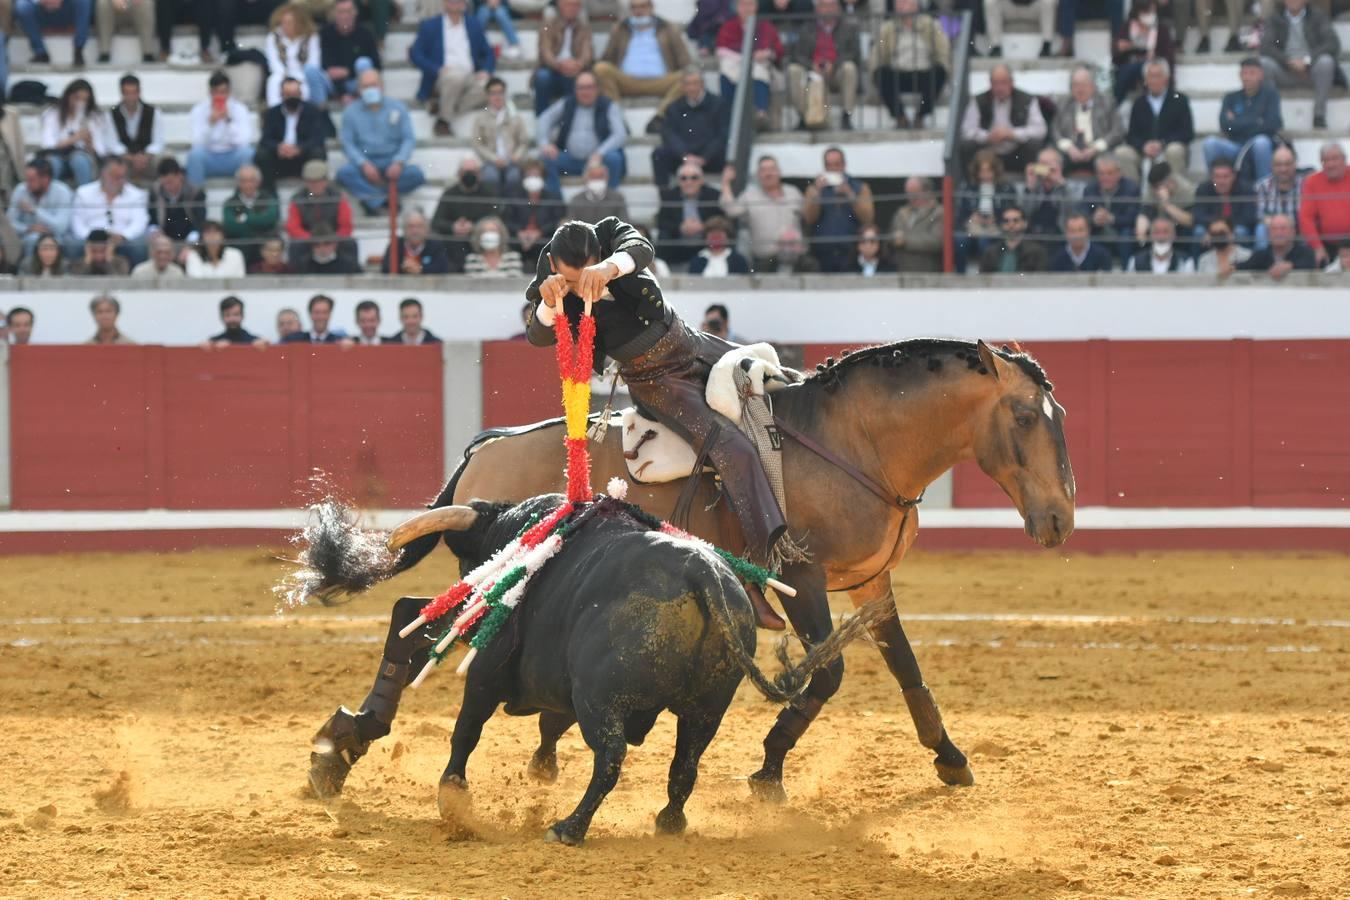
[846, 467]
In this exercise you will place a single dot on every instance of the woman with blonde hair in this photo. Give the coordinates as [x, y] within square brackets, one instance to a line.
[490, 256]
[292, 51]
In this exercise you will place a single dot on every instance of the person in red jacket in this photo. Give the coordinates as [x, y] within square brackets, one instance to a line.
[1324, 213]
[319, 200]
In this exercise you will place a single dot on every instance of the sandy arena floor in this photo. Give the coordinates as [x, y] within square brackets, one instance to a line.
[1176, 726]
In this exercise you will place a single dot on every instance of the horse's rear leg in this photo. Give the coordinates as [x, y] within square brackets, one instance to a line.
[951, 764]
[544, 764]
[346, 736]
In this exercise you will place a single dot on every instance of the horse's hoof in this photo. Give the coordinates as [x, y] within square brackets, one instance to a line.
[452, 797]
[671, 821]
[956, 776]
[327, 774]
[336, 748]
[559, 834]
[768, 788]
[543, 769]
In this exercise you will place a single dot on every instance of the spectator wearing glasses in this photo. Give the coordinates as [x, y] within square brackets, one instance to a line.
[1224, 254]
[1278, 193]
[1013, 253]
[500, 138]
[1285, 254]
[1161, 256]
[565, 51]
[685, 212]
[1249, 119]
[1079, 253]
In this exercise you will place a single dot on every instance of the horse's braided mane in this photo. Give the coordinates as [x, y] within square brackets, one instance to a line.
[929, 350]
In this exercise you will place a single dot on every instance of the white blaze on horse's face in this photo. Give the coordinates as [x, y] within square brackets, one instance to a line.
[1045, 405]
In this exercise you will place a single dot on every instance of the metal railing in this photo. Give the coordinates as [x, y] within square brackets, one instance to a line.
[951, 152]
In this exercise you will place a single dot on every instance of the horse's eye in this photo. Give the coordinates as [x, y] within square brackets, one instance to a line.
[1025, 420]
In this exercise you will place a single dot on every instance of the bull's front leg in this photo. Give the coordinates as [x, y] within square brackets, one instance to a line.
[950, 762]
[809, 613]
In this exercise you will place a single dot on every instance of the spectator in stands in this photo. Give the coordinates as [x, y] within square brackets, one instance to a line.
[211, 258]
[323, 254]
[1039, 12]
[21, 324]
[413, 334]
[367, 325]
[586, 126]
[1249, 119]
[694, 130]
[453, 54]
[115, 207]
[229, 14]
[1079, 253]
[1339, 266]
[40, 206]
[1299, 48]
[73, 132]
[533, 213]
[1203, 14]
[768, 56]
[911, 54]
[251, 213]
[292, 51]
[705, 28]
[1005, 120]
[317, 202]
[501, 138]
[378, 140]
[1045, 197]
[12, 152]
[1161, 127]
[1228, 196]
[1169, 196]
[491, 256]
[1278, 193]
[1324, 213]
[139, 14]
[717, 322]
[1284, 255]
[1224, 254]
[98, 258]
[917, 234]
[1086, 124]
[686, 209]
[161, 263]
[293, 133]
[768, 208]
[34, 15]
[135, 131]
[288, 323]
[644, 58]
[1161, 256]
[793, 256]
[105, 309]
[46, 260]
[825, 55]
[500, 11]
[347, 49]
[177, 208]
[460, 207]
[1013, 253]
[982, 206]
[232, 317]
[1112, 205]
[870, 258]
[413, 253]
[836, 207]
[719, 257]
[271, 259]
[320, 318]
[598, 200]
[565, 51]
[1141, 40]
[222, 134]
[202, 13]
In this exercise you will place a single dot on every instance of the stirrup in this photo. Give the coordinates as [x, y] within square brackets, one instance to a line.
[336, 748]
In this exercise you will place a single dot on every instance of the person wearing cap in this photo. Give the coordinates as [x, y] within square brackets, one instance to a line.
[378, 140]
[222, 134]
[317, 202]
[293, 133]
[99, 258]
[176, 207]
[323, 254]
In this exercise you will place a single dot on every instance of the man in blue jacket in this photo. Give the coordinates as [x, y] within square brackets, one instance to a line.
[455, 60]
[1250, 119]
[377, 137]
[1079, 254]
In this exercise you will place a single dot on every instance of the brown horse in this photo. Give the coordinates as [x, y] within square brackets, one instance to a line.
[900, 415]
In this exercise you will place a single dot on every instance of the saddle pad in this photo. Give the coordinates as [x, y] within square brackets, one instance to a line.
[661, 454]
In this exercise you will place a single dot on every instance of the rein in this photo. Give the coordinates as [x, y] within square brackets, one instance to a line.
[899, 501]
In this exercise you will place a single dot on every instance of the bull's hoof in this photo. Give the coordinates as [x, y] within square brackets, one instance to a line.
[452, 797]
[562, 833]
[671, 821]
[768, 787]
[543, 769]
[954, 775]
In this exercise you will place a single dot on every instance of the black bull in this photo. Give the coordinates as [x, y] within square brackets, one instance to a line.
[622, 624]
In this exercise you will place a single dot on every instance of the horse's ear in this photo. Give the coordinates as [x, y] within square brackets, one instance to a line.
[996, 365]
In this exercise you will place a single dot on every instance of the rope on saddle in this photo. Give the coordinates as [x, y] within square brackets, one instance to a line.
[758, 424]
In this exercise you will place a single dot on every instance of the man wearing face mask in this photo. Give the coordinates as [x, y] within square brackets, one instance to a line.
[533, 211]
[293, 133]
[664, 363]
[599, 200]
[460, 208]
[377, 137]
[643, 58]
[1160, 257]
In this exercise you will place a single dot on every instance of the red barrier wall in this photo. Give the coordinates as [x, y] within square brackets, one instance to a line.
[520, 384]
[182, 428]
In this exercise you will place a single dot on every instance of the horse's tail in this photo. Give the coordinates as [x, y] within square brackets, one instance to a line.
[789, 683]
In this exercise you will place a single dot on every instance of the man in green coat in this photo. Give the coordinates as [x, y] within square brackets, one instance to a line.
[251, 214]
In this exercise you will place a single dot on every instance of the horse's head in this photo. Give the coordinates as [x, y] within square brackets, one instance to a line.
[1020, 444]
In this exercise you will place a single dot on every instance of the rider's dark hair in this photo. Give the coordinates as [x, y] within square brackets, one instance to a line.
[574, 244]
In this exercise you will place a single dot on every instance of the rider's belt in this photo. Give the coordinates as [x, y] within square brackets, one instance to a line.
[629, 352]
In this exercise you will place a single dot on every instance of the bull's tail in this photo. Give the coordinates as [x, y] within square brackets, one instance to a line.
[789, 683]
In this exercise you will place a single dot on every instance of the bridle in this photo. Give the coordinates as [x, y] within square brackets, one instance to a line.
[899, 501]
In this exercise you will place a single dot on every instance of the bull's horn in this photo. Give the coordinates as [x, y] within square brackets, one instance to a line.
[444, 518]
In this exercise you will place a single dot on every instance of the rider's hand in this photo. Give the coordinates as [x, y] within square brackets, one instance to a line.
[553, 289]
[593, 279]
